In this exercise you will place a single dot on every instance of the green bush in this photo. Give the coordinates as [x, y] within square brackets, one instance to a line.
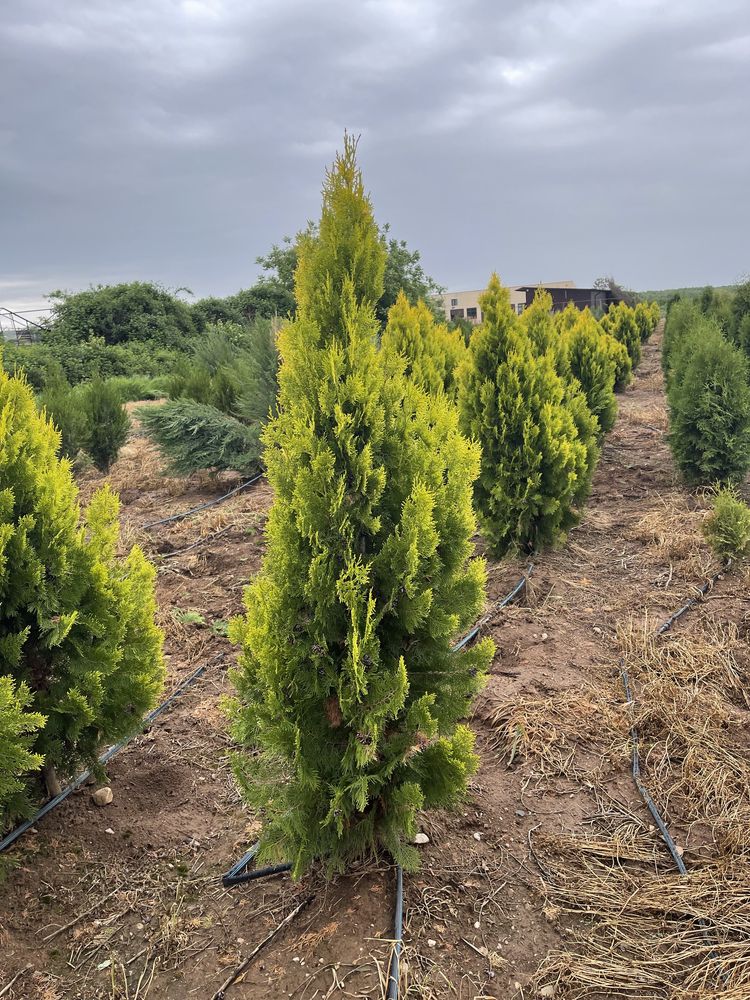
[432, 352]
[18, 729]
[120, 314]
[682, 319]
[194, 436]
[591, 363]
[727, 528]
[709, 404]
[76, 622]
[64, 407]
[620, 323]
[535, 467]
[220, 402]
[134, 388]
[107, 423]
[348, 692]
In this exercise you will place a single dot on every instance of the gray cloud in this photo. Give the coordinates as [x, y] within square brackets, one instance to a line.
[177, 140]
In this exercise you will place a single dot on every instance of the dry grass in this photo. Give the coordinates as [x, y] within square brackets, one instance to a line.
[647, 935]
[694, 753]
[581, 731]
[671, 534]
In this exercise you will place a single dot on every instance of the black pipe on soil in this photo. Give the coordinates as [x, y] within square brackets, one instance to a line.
[11, 837]
[702, 591]
[203, 506]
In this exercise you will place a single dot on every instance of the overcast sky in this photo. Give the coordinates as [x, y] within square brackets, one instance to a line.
[175, 140]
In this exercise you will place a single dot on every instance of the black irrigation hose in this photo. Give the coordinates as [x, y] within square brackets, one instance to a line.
[634, 740]
[701, 591]
[11, 837]
[203, 506]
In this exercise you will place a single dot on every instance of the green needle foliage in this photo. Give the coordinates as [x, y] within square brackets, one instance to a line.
[620, 323]
[348, 693]
[194, 436]
[727, 528]
[709, 404]
[220, 401]
[591, 363]
[534, 465]
[18, 728]
[76, 622]
[107, 423]
[432, 352]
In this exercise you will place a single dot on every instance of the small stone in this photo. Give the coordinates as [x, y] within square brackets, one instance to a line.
[110, 831]
[548, 991]
[102, 796]
[477, 836]
[477, 925]
[680, 850]
[431, 942]
[520, 812]
[295, 959]
[104, 965]
[544, 637]
[421, 838]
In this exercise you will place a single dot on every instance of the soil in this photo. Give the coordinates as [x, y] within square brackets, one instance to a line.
[126, 900]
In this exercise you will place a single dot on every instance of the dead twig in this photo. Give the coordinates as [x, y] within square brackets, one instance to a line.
[222, 991]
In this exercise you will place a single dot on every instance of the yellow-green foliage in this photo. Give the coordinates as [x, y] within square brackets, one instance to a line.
[432, 352]
[590, 362]
[348, 691]
[727, 528]
[76, 622]
[18, 727]
[535, 466]
[646, 317]
[621, 323]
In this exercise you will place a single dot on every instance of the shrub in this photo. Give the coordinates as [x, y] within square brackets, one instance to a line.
[18, 728]
[134, 388]
[76, 623]
[194, 436]
[591, 363]
[107, 423]
[534, 465]
[681, 320]
[219, 408]
[621, 324]
[119, 314]
[709, 401]
[644, 320]
[64, 407]
[348, 692]
[727, 528]
[432, 352]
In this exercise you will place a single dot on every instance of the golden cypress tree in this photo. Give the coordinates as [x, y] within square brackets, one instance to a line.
[432, 352]
[76, 622]
[512, 401]
[348, 694]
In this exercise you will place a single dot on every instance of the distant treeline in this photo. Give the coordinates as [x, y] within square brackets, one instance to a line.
[663, 295]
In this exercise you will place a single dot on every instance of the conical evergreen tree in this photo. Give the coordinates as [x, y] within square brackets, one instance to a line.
[432, 352]
[348, 692]
[620, 323]
[709, 401]
[513, 403]
[591, 364]
[76, 623]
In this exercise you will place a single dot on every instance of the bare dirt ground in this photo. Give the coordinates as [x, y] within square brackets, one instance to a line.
[550, 882]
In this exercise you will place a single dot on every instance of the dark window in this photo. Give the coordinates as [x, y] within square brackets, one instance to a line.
[457, 314]
[471, 312]
[454, 302]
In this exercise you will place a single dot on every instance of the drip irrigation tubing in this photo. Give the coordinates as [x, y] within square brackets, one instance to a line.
[634, 742]
[11, 837]
[203, 506]
[691, 602]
